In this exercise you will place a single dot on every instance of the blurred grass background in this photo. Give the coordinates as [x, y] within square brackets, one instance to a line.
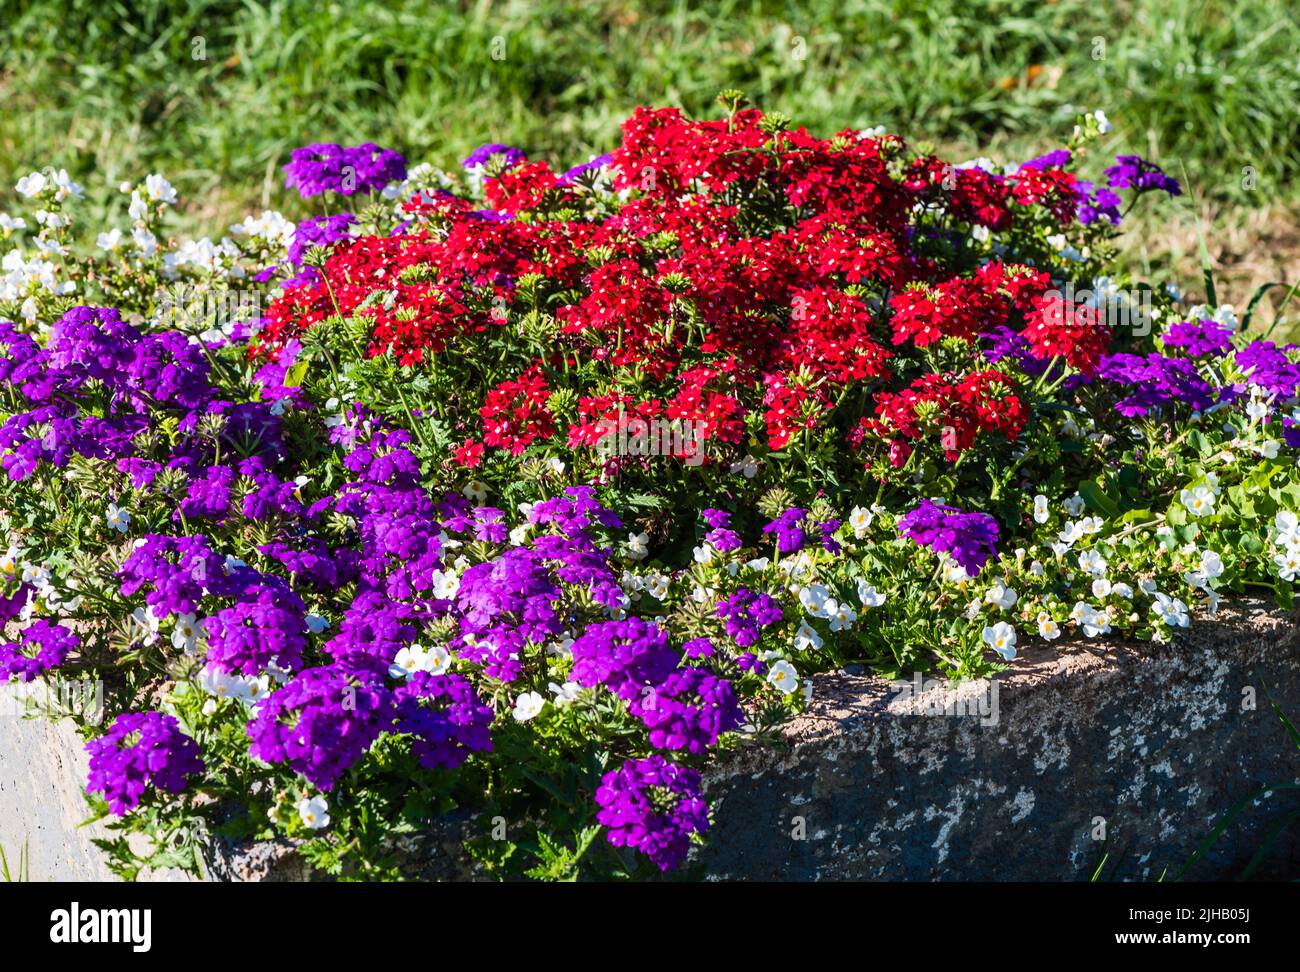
[214, 93]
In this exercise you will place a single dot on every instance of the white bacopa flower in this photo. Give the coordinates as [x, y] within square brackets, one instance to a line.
[31, 185]
[656, 586]
[159, 189]
[475, 490]
[147, 622]
[860, 521]
[1094, 622]
[783, 677]
[638, 545]
[565, 694]
[1257, 410]
[111, 240]
[1001, 637]
[146, 244]
[186, 633]
[1048, 629]
[1041, 511]
[747, 467]
[1101, 588]
[1211, 564]
[954, 573]
[1269, 448]
[1001, 596]
[1103, 123]
[815, 599]
[117, 518]
[1288, 563]
[841, 615]
[1092, 562]
[1170, 610]
[869, 596]
[1287, 525]
[806, 638]
[314, 812]
[1198, 501]
[528, 706]
[1074, 505]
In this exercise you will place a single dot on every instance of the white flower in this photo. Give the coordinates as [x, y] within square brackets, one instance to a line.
[1287, 525]
[638, 545]
[807, 638]
[841, 615]
[1074, 505]
[703, 554]
[31, 185]
[565, 694]
[1047, 628]
[1269, 448]
[1171, 611]
[527, 706]
[416, 658]
[111, 240]
[860, 520]
[1001, 637]
[1092, 562]
[656, 585]
[445, 584]
[1103, 123]
[117, 518]
[783, 676]
[159, 189]
[475, 490]
[1257, 410]
[1041, 512]
[1094, 622]
[1101, 587]
[953, 572]
[1001, 596]
[222, 684]
[1288, 564]
[146, 244]
[869, 596]
[186, 633]
[815, 600]
[147, 622]
[314, 812]
[1198, 501]
[747, 467]
[1211, 564]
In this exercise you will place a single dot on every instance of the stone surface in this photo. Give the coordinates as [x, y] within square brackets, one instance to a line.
[876, 783]
[1153, 740]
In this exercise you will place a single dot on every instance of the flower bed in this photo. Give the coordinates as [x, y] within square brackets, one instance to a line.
[527, 494]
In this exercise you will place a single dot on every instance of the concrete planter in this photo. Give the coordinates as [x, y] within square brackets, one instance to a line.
[1080, 751]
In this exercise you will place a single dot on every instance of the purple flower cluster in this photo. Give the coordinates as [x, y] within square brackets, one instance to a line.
[1154, 382]
[263, 629]
[1198, 338]
[654, 806]
[788, 527]
[722, 538]
[347, 170]
[1135, 172]
[141, 749]
[747, 613]
[688, 710]
[41, 646]
[510, 156]
[322, 721]
[969, 538]
[447, 717]
[319, 231]
[1269, 368]
[625, 656]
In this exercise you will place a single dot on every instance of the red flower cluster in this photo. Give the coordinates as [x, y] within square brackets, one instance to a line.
[949, 409]
[515, 412]
[746, 276]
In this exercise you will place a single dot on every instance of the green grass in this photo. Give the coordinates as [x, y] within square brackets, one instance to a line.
[110, 90]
